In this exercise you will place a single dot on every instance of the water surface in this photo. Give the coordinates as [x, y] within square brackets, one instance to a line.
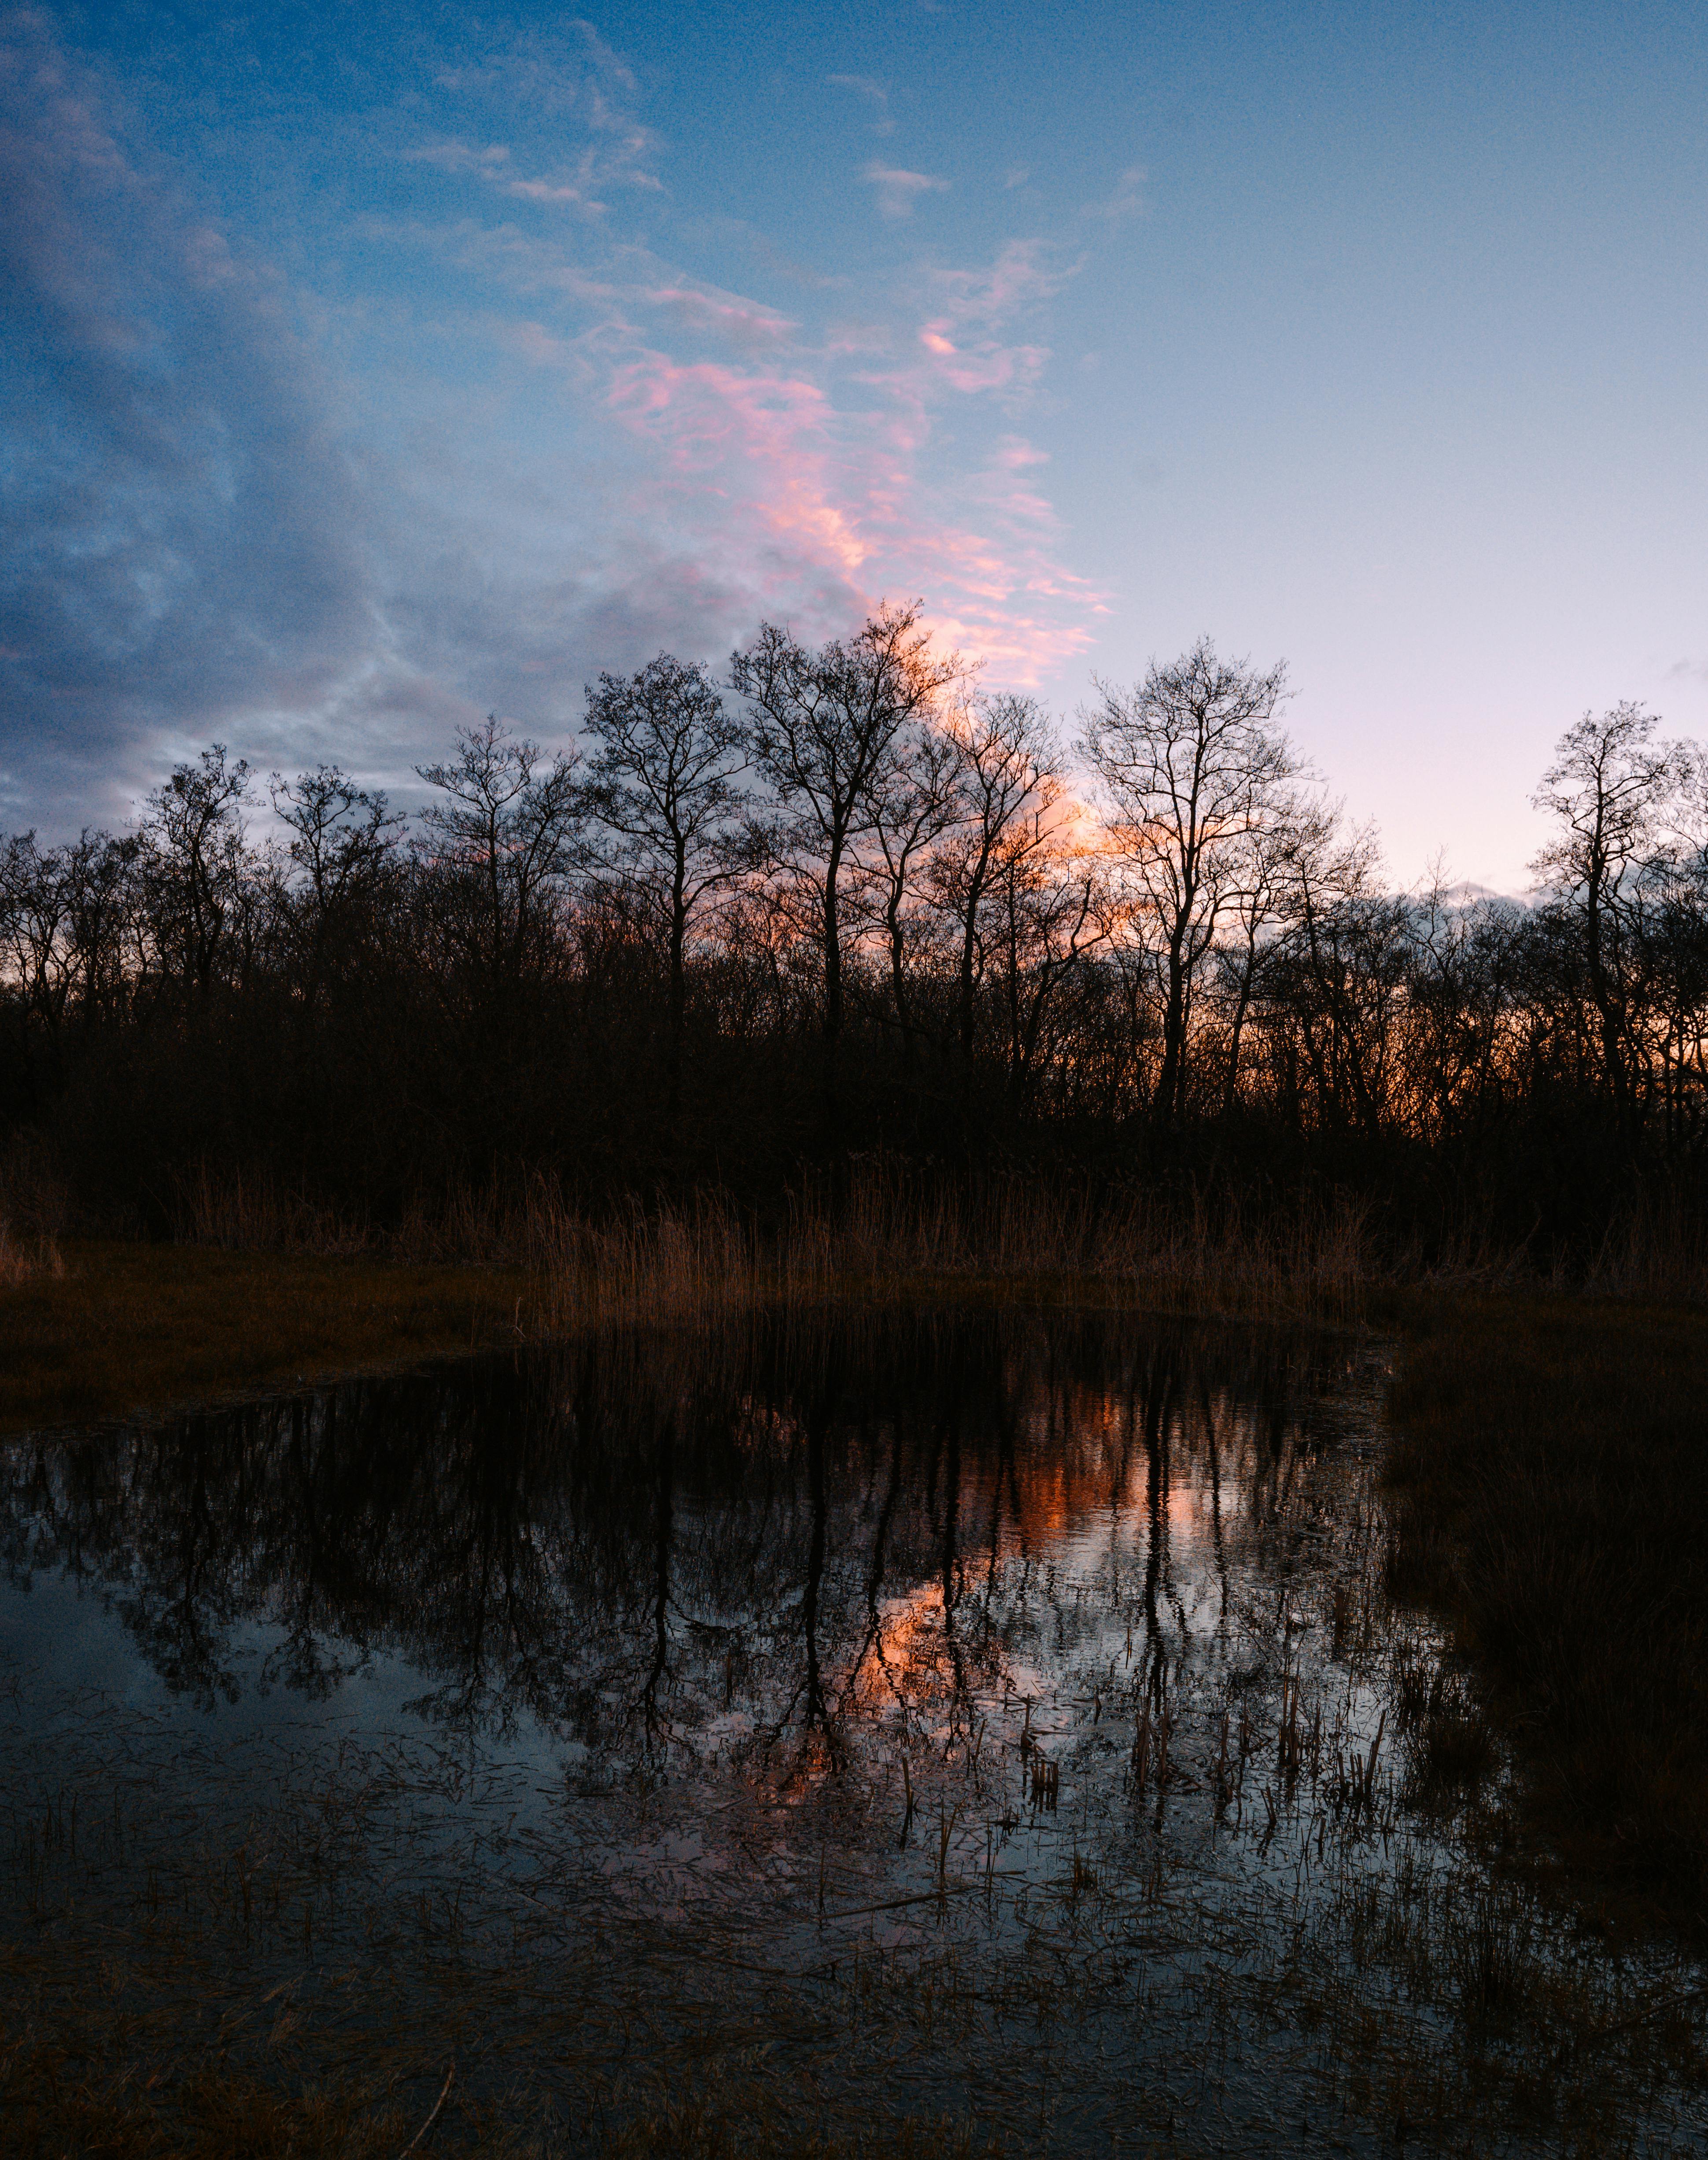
[942, 1714]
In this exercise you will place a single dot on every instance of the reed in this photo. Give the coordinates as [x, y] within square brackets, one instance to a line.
[883, 1229]
[32, 1212]
[259, 1212]
[881, 1222]
[26, 1259]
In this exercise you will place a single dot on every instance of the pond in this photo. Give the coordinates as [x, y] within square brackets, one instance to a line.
[1000, 1720]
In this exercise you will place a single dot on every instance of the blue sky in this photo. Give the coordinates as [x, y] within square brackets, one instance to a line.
[368, 368]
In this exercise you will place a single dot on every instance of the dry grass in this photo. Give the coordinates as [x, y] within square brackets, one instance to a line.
[132, 1327]
[56, 2102]
[53, 2103]
[32, 1219]
[265, 1287]
[25, 1259]
[884, 1226]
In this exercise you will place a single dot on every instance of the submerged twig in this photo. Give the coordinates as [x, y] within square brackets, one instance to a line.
[422, 2134]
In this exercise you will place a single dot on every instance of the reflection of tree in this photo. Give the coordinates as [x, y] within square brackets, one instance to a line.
[664, 1480]
[784, 1540]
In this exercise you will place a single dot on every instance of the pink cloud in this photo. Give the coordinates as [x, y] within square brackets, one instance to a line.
[793, 477]
[820, 467]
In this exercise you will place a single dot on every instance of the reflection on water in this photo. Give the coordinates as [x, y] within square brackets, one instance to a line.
[1001, 1716]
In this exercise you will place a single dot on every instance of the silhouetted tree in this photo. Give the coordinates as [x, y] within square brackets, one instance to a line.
[342, 843]
[503, 837]
[664, 781]
[1007, 777]
[194, 866]
[822, 728]
[915, 803]
[1189, 761]
[1610, 787]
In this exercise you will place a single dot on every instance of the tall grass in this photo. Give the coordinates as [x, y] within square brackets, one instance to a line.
[32, 1217]
[884, 1231]
[1656, 1250]
[886, 1238]
[24, 1257]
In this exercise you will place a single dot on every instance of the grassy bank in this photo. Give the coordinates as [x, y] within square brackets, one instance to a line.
[260, 1291]
[124, 1328]
[1549, 1488]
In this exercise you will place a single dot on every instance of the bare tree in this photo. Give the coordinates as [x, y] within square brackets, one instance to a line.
[822, 726]
[341, 841]
[195, 862]
[339, 832]
[1277, 862]
[34, 959]
[664, 780]
[1046, 909]
[1612, 787]
[99, 876]
[1008, 777]
[1343, 965]
[505, 835]
[914, 801]
[1189, 761]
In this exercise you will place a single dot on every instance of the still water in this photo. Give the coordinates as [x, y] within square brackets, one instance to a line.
[846, 1717]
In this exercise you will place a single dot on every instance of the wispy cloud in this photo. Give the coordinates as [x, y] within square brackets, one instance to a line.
[572, 451]
[567, 69]
[1127, 200]
[569, 74]
[184, 529]
[815, 467]
[875, 95]
[899, 190]
[584, 185]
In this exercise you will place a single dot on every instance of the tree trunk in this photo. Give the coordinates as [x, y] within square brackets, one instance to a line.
[678, 938]
[832, 987]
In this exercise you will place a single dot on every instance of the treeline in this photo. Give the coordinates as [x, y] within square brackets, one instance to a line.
[846, 901]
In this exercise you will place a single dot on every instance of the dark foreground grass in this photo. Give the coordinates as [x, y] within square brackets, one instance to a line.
[54, 2106]
[135, 1327]
[1550, 1497]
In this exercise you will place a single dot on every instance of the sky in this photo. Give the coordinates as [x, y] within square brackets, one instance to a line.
[365, 368]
